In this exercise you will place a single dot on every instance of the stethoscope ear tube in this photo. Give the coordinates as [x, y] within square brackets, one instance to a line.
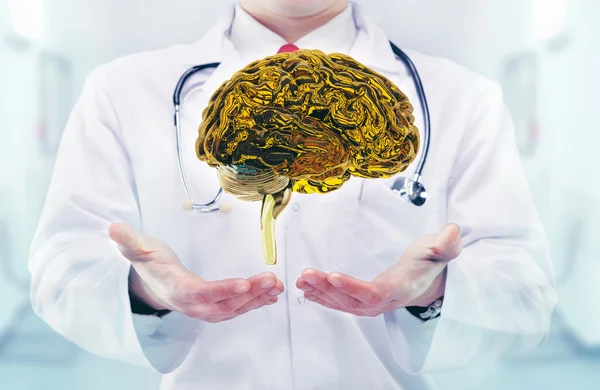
[185, 76]
[414, 73]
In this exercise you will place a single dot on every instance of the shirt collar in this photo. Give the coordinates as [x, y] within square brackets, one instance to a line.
[254, 41]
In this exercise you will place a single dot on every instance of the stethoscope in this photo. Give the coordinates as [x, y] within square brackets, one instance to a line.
[411, 190]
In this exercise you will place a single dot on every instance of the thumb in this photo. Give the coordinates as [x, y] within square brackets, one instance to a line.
[130, 244]
[448, 244]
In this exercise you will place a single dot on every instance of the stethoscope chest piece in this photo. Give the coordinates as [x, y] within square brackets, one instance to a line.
[411, 190]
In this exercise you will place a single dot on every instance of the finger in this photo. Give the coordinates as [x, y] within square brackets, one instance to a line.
[443, 246]
[310, 290]
[129, 242]
[214, 310]
[361, 290]
[311, 279]
[215, 318]
[260, 301]
[303, 285]
[259, 284]
[319, 280]
[329, 299]
[216, 291]
[322, 302]
[448, 244]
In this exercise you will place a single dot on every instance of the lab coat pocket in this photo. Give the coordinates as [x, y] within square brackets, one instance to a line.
[378, 229]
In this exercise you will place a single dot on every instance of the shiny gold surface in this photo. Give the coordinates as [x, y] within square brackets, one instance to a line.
[273, 205]
[313, 118]
[250, 185]
[306, 121]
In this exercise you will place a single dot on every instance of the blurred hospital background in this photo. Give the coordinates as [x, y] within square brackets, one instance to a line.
[545, 53]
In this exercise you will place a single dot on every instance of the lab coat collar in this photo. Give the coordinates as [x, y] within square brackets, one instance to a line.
[210, 47]
[371, 46]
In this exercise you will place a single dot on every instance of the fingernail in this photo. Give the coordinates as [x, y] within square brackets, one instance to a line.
[310, 297]
[458, 237]
[307, 288]
[337, 282]
[242, 287]
[267, 283]
[310, 279]
[274, 292]
[271, 302]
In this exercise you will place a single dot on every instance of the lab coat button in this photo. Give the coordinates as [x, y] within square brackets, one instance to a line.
[301, 300]
[296, 207]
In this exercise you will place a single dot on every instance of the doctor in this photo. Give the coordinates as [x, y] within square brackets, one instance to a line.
[119, 268]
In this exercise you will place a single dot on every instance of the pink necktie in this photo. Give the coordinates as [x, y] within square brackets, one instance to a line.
[288, 48]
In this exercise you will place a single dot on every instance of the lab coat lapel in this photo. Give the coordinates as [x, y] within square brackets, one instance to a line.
[372, 47]
[209, 47]
[215, 46]
[230, 64]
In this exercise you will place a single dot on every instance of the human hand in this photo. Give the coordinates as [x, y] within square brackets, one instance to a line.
[417, 279]
[160, 280]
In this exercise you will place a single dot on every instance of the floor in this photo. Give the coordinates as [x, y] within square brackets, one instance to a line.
[35, 358]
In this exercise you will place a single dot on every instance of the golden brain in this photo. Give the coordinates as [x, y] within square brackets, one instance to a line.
[313, 118]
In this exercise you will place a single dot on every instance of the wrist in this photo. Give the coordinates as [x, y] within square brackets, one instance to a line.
[141, 295]
[435, 291]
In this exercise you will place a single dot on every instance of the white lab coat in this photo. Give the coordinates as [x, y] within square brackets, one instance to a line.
[117, 163]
